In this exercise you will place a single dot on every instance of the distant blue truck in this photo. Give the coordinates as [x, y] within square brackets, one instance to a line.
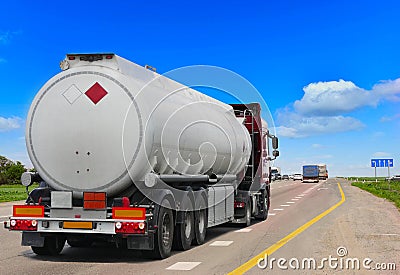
[310, 173]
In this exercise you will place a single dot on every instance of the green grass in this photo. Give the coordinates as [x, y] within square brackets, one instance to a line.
[14, 192]
[381, 188]
[366, 178]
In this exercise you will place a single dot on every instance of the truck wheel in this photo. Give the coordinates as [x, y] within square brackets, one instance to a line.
[52, 246]
[81, 242]
[184, 232]
[263, 211]
[164, 235]
[247, 221]
[200, 226]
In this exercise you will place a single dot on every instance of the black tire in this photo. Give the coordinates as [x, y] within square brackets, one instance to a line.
[40, 250]
[247, 221]
[52, 246]
[163, 237]
[184, 232]
[200, 226]
[80, 242]
[264, 202]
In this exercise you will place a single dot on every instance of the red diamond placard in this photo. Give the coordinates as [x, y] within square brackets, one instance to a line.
[96, 93]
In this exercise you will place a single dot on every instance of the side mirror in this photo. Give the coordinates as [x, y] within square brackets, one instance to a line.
[275, 143]
[275, 153]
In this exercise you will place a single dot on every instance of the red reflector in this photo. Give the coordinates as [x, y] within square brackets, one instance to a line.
[108, 56]
[94, 204]
[71, 57]
[96, 93]
[94, 200]
[88, 196]
[100, 196]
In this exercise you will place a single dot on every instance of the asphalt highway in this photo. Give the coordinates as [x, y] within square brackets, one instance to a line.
[329, 219]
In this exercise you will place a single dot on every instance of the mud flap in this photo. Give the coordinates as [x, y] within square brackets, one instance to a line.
[32, 239]
[141, 242]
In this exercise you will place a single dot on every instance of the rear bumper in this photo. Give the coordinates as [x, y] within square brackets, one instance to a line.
[136, 242]
[57, 225]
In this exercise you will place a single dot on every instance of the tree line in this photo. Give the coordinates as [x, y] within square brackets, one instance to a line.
[10, 171]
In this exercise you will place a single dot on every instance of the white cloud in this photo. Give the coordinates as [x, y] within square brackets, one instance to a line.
[6, 36]
[338, 97]
[317, 146]
[287, 132]
[21, 156]
[295, 125]
[378, 135]
[321, 109]
[11, 123]
[381, 154]
[327, 156]
[388, 89]
[390, 118]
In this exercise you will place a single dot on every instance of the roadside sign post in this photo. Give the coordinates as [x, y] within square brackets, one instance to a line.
[382, 163]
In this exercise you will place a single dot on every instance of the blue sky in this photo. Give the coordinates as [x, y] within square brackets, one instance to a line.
[328, 70]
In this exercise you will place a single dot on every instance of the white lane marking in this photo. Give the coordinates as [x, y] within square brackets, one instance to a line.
[322, 188]
[285, 205]
[271, 214]
[221, 243]
[290, 202]
[295, 199]
[278, 209]
[183, 266]
[302, 195]
[244, 230]
[388, 234]
[298, 197]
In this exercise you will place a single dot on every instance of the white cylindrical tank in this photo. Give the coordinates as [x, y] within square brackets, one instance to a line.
[101, 125]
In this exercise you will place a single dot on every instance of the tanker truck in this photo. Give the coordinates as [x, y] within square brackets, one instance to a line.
[127, 156]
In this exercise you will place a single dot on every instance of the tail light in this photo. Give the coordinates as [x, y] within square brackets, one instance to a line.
[23, 225]
[130, 227]
[239, 204]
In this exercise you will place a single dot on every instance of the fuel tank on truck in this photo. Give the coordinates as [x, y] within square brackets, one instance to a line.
[104, 122]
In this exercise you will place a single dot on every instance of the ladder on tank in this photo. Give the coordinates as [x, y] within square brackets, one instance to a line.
[249, 113]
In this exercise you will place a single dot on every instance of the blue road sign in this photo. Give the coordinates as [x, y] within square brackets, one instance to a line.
[381, 162]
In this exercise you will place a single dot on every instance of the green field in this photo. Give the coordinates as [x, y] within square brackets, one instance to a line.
[14, 192]
[380, 188]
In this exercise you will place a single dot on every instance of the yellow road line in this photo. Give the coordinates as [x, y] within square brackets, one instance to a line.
[253, 262]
